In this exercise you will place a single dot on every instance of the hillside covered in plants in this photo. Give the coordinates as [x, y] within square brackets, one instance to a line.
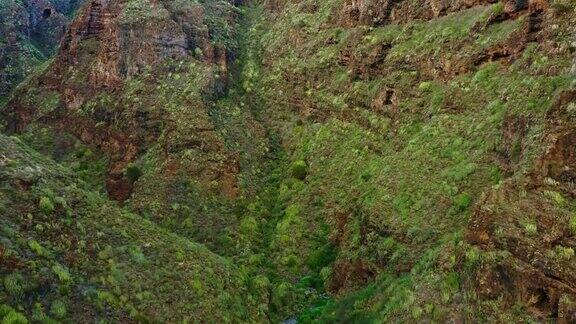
[287, 161]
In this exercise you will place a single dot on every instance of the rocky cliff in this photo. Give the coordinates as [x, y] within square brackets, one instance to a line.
[30, 32]
[340, 160]
[138, 81]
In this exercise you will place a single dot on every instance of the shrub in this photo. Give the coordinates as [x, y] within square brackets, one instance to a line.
[197, 286]
[403, 204]
[46, 205]
[572, 224]
[133, 173]
[38, 249]
[299, 170]
[9, 316]
[61, 201]
[137, 254]
[497, 9]
[4, 310]
[425, 86]
[472, 256]
[62, 273]
[38, 315]
[565, 253]
[290, 260]
[260, 282]
[249, 225]
[556, 197]
[417, 312]
[321, 257]
[13, 283]
[58, 309]
[531, 229]
[281, 291]
[462, 202]
[325, 274]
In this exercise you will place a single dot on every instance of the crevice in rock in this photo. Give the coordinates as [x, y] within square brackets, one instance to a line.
[47, 13]
[534, 24]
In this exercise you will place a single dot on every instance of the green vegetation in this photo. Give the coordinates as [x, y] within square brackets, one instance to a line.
[13, 284]
[531, 229]
[10, 316]
[572, 224]
[133, 173]
[119, 284]
[58, 309]
[565, 253]
[299, 170]
[282, 160]
[46, 205]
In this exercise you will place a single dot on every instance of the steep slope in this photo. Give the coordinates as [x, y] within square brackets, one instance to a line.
[406, 114]
[67, 253]
[357, 161]
[138, 81]
[526, 228]
[30, 32]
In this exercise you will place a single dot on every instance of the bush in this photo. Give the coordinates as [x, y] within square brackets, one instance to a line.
[556, 197]
[462, 202]
[62, 273]
[38, 315]
[497, 9]
[281, 291]
[321, 257]
[58, 309]
[9, 316]
[260, 282]
[46, 205]
[38, 248]
[530, 229]
[572, 224]
[565, 253]
[4, 310]
[425, 86]
[472, 256]
[133, 173]
[249, 225]
[299, 170]
[13, 283]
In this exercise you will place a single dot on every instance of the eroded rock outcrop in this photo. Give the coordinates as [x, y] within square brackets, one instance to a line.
[125, 82]
[32, 30]
[527, 223]
[381, 12]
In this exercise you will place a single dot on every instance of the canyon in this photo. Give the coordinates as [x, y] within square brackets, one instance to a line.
[288, 161]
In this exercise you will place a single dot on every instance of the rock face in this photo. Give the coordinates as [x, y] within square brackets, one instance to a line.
[134, 76]
[381, 12]
[30, 32]
[527, 218]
